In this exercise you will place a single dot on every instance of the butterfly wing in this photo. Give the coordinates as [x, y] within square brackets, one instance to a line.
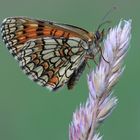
[48, 52]
[50, 62]
[18, 30]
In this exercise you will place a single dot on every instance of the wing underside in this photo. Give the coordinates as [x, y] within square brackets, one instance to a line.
[49, 53]
[51, 64]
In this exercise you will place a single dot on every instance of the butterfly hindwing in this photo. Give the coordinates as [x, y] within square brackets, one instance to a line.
[51, 62]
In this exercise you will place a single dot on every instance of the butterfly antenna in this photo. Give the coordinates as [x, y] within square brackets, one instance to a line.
[108, 12]
[104, 21]
[107, 21]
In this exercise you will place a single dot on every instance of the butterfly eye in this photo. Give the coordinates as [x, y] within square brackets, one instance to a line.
[97, 34]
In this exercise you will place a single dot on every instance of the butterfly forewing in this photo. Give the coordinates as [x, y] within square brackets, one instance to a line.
[49, 53]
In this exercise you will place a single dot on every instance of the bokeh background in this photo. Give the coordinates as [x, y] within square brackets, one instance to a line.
[30, 112]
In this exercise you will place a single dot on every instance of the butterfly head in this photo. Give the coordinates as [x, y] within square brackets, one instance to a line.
[95, 45]
[95, 42]
[98, 37]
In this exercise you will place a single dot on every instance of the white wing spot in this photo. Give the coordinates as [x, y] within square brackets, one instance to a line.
[69, 72]
[62, 71]
[28, 52]
[74, 58]
[12, 25]
[45, 77]
[48, 55]
[75, 50]
[47, 51]
[54, 59]
[39, 70]
[31, 66]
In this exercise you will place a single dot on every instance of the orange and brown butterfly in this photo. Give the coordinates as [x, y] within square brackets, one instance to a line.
[52, 54]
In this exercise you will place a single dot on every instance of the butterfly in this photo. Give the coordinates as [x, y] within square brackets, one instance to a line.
[51, 54]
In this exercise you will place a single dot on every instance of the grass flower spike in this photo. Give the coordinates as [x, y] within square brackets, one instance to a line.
[101, 80]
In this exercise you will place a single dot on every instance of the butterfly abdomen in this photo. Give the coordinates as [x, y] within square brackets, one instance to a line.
[76, 75]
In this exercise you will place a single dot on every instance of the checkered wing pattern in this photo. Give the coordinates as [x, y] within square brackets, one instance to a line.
[48, 62]
[50, 54]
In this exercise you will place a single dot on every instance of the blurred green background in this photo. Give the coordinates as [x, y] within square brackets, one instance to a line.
[30, 112]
